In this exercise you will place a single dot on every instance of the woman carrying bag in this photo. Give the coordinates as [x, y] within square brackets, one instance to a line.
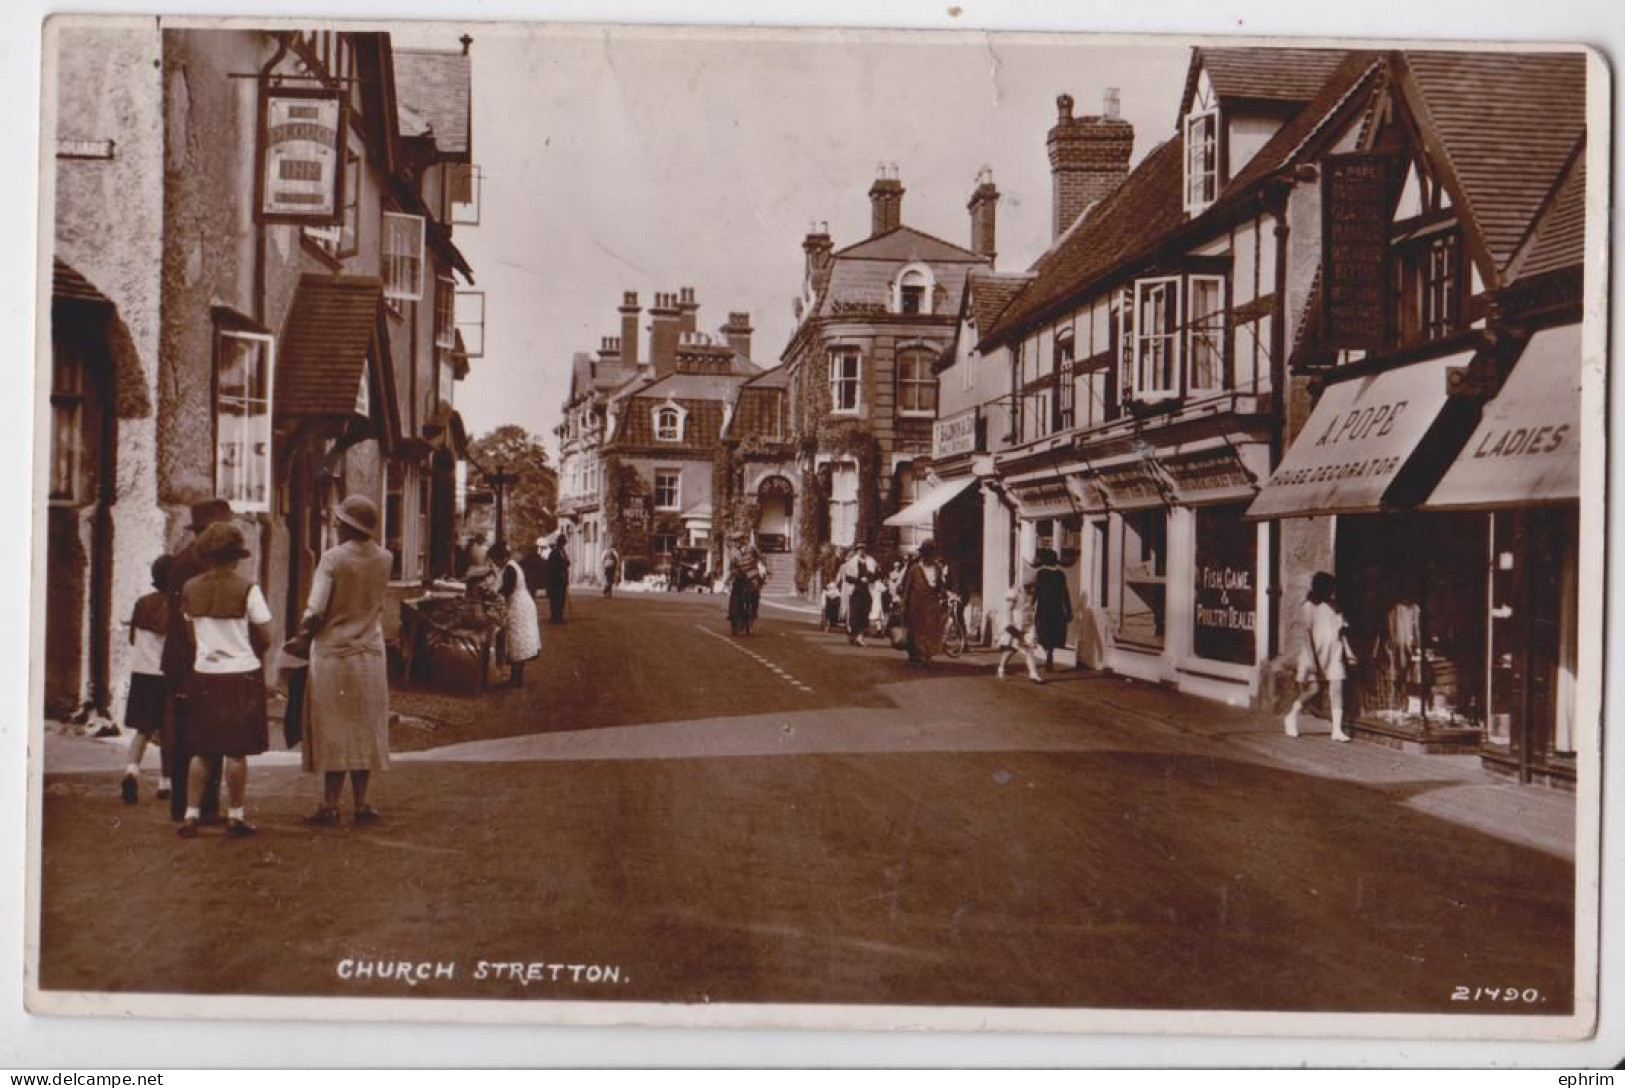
[1325, 656]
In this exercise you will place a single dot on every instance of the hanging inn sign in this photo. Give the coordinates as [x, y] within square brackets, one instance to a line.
[301, 145]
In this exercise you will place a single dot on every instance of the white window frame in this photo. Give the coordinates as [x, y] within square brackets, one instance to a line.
[1125, 345]
[401, 267]
[677, 429]
[1168, 339]
[445, 313]
[677, 488]
[240, 494]
[928, 288]
[929, 381]
[837, 356]
[1217, 334]
[1202, 154]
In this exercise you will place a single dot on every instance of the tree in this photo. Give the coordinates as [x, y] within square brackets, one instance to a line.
[530, 502]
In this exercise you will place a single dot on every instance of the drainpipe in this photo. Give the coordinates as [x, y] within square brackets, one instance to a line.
[1278, 398]
[258, 301]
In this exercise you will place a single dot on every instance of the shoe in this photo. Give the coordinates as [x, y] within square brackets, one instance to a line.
[1342, 737]
[109, 730]
[326, 816]
[1038, 679]
[240, 829]
[1291, 725]
[187, 830]
[129, 789]
[162, 794]
[366, 816]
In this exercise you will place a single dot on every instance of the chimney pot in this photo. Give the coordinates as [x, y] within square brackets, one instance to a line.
[1063, 106]
[1112, 104]
[1088, 158]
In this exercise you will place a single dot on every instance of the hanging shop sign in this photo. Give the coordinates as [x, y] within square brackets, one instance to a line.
[301, 149]
[1357, 218]
[1226, 616]
[957, 435]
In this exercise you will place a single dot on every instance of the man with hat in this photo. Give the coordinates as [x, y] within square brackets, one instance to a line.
[179, 652]
[858, 573]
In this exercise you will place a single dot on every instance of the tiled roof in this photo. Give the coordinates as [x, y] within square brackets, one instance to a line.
[1270, 75]
[1145, 206]
[988, 293]
[904, 244]
[331, 327]
[777, 377]
[66, 282]
[1559, 241]
[867, 283]
[761, 413]
[1508, 123]
[719, 387]
[702, 427]
[436, 85]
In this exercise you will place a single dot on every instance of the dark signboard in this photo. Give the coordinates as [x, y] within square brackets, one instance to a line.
[301, 148]
[1356, 218]
[1226, 616]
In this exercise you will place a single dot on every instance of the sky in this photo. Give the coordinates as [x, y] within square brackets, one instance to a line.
[649, 160]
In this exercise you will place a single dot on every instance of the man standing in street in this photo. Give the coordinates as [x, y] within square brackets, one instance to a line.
[558, 580]
[177, 661]
[612, 566]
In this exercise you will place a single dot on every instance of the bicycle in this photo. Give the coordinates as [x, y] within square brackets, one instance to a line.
[744, 599]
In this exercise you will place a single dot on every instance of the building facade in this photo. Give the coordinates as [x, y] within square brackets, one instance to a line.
[288, 363]
[873, 320]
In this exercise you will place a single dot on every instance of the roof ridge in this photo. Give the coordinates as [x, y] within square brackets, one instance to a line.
[898, 229]
[1548, 207]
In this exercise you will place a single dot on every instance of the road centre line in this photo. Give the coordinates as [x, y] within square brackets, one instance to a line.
[771, 666]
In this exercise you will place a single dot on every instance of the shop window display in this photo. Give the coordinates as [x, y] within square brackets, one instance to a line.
[1142, 612]
[1414, 592]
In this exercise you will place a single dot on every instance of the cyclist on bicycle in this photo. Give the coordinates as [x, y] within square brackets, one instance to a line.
[747, 571]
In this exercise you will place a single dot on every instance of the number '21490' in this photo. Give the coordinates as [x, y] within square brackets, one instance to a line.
[1509, 995]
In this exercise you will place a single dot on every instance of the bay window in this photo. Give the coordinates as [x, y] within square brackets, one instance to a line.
[1173, 334]
[403, 257]
[1156, 338]
[845, 373]
[243, 366]
[1065, 392]
[1204, 334]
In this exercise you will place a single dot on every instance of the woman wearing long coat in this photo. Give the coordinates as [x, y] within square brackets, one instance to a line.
[346, 725]
[1053, 605]
[922, 606]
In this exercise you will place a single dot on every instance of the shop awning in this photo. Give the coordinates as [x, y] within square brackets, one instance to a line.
[335, 325]
[1526, 449]
[920, 512]
[1357, 441]
[1057, 497]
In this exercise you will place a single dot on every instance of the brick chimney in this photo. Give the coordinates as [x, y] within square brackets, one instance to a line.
[737, 333]
[629, 328]
[664, 333]
[886, 200]
[984, 206]
[1088, 157]
[687, 310]
[818, 247]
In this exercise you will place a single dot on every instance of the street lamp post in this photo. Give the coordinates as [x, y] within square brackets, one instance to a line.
[500, 481]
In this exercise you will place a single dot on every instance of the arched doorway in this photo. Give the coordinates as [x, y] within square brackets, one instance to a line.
[775, 513]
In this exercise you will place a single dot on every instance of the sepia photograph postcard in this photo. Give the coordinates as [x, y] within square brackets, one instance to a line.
[816, 527]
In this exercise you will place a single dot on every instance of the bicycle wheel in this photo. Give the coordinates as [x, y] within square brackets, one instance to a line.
[953, 637]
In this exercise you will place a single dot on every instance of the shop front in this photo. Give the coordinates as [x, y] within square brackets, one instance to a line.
[1413, 583]
[1519, 474]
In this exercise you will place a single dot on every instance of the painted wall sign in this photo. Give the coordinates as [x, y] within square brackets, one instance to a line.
[1356, 221]
[1218, 469]
[956, 435]
[1130, 485]
[1226, 615]
[300, 150]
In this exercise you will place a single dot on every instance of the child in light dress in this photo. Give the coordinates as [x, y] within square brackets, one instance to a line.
[1016, 631]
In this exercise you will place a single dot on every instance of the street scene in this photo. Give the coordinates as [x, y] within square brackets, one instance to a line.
[1131, 543]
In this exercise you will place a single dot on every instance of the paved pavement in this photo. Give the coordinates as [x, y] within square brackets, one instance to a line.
[788, 817]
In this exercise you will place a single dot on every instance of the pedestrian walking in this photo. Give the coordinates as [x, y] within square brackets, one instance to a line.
[523, 635]
[922, 606]
[558, 580]
[1016, 630]
[346, 691]
[859, 573]
[225, 693]
[1324, 657]
[180, 651]
[1052, 605]
[148, 698]
[832, 606]
[611, 565]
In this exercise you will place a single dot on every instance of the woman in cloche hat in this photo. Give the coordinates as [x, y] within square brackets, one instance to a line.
[225, 692]
[346, 725]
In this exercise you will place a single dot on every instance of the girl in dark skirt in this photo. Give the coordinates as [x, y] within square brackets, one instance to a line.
[231, 627]
[149, 692]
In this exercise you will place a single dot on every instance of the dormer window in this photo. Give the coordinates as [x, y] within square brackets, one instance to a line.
[1201, 159]
[669, 423]
[912, 292]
